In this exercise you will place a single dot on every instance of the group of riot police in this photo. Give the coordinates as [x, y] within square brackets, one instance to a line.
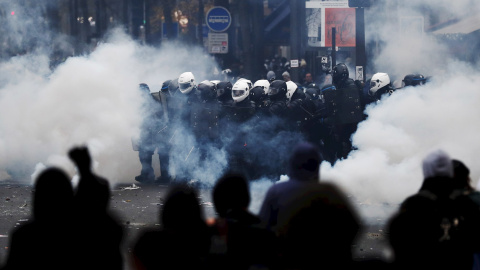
[254, 123]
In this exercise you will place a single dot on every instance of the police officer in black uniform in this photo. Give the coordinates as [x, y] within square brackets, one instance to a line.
[277, 98]
[345, 111]
[238, 145]
[204, 118]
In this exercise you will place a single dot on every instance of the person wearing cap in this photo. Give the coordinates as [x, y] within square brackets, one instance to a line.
[286, 76]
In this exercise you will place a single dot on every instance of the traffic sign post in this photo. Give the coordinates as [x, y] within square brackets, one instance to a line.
[218, 19]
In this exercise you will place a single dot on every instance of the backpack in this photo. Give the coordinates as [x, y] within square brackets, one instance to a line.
[443, 230]
[452, 215]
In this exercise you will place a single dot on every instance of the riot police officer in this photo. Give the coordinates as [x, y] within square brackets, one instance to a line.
[238, 145]
[277, 97]
[259, 95]
[148, 129]
[380, 84]
[204, 118]
[345, 110]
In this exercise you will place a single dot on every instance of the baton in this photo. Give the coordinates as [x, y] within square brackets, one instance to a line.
[189, 153]
[169, 141]
[162, 129]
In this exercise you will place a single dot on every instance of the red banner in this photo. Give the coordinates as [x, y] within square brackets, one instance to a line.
[343, 19]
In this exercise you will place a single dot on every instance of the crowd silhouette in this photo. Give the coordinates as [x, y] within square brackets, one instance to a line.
[303, 223]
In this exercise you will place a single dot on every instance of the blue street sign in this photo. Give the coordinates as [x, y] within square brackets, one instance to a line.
[218, 19]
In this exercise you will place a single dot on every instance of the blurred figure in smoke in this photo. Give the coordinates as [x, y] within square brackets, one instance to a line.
[151, 109]
[380, 84]
[315, 224]
[344, 111]
[166, 129]
[414, 80]
[238, 242]
[286, 76]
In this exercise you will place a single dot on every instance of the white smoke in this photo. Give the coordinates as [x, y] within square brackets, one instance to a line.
[403, 128]
[91, 99]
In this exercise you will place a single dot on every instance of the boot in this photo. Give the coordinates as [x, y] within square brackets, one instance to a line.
[164, 177]
[147, 174]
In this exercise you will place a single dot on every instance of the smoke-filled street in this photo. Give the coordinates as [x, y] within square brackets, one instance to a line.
[374, 104]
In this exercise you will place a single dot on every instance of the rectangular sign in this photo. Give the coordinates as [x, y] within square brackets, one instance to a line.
[343, 19]
[321, 16]
[294, 63]
[218, 42]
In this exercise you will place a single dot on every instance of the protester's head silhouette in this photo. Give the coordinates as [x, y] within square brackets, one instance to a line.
[53, 195]
[231, 192]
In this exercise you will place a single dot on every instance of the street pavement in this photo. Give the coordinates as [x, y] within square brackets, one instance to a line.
[136, 207]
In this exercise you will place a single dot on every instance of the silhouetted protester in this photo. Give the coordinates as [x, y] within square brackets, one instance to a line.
[238, 242]
[183, 241]
[322, 226]
[99, 234]
[437, 228]
[304, 172]
[314, 222]
[463, 182]
[462, 179]
[45, 242]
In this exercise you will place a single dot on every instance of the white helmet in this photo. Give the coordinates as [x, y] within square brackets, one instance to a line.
[186, 82]
[291, 88]
[240, 90]
[265, 84]
[378, 81]
[250, 84]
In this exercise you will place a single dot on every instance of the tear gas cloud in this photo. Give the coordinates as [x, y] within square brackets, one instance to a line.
[90, 99]
[403, 128]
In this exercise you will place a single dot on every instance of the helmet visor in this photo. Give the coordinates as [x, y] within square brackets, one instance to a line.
[238, 93]
[273, 91]
[374, 83]
[184, 86]
[220, 92]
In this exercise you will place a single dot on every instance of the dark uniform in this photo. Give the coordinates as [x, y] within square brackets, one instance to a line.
[344, 112]
[148, 130]
[236, 132]
[165, 130]
[204, 118]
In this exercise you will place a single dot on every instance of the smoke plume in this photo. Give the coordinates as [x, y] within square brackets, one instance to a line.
[404, 127]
